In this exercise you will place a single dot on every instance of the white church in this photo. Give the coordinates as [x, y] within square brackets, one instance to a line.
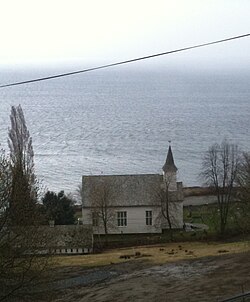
[140, 203]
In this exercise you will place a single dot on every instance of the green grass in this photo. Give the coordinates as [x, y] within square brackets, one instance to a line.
[210, 215]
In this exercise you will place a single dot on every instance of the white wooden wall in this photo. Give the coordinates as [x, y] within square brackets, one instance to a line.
[136, 220]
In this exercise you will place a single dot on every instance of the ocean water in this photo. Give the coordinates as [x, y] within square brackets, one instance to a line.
[119, 121]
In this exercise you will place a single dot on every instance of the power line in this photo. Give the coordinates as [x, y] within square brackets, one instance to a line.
[124, 62]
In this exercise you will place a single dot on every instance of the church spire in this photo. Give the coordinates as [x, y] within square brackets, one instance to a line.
[169, 165]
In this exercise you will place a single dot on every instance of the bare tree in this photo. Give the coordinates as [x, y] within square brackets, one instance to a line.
[23, 197]
[166, 197]
[220, 168]
[102, 201]
[242, 213]
[243, 179]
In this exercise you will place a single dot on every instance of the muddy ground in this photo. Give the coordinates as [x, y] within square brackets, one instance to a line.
[211, 278]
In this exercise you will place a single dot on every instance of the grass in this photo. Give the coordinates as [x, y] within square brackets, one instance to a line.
[209, 214]
[157, 254]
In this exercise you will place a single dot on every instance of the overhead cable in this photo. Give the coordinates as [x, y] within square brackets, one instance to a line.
[123, 62]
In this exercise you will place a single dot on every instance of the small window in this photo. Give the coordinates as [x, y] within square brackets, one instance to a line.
[148, 217]
[122, 219]
[95, 220]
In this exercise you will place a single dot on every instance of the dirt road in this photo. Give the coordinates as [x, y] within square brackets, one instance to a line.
[202, 279]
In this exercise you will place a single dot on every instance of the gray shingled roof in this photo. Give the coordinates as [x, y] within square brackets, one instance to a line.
[169, 165]
[122, 190]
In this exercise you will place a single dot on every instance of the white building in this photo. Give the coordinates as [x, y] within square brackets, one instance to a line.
[133, 203]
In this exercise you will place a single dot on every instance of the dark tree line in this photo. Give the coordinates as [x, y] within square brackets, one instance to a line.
[59, 208]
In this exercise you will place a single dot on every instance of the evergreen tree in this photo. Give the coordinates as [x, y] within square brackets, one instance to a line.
[59, 207]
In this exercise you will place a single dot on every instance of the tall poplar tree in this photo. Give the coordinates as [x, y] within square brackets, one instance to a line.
[21, 266]
[23, 195]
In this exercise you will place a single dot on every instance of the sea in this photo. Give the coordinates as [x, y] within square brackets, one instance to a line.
[121, 120]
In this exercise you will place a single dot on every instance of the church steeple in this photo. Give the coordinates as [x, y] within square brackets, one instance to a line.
[170, 171]
[169, 165]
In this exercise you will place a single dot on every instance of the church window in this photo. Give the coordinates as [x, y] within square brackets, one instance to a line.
[122, 218]
[148, 217]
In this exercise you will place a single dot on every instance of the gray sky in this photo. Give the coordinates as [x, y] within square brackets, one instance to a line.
[97, 31]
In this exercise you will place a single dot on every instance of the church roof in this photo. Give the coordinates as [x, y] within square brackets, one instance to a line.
[122, 190]
[169, 165]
